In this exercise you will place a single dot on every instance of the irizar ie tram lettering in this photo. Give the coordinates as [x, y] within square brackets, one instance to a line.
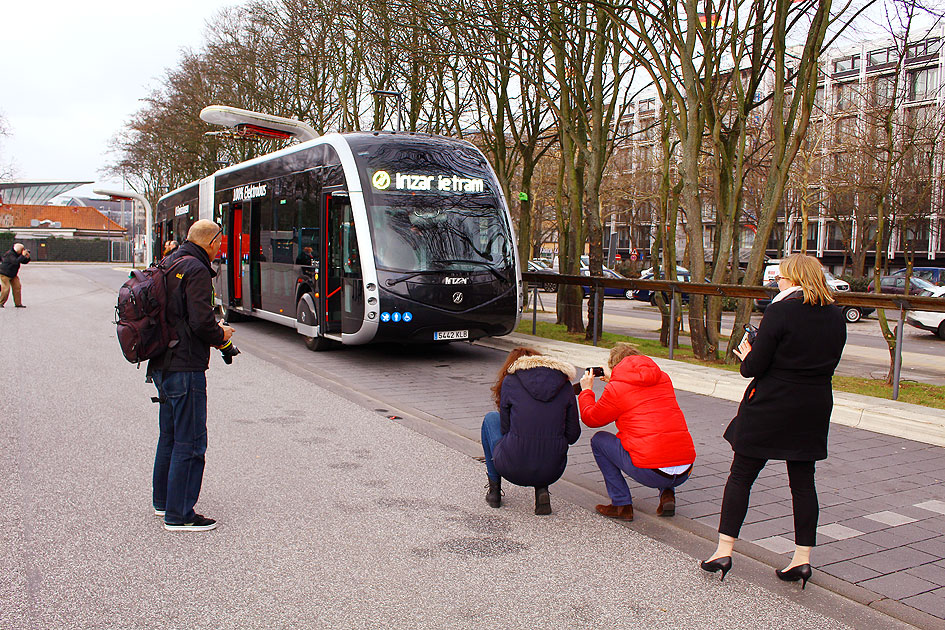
[359, 238]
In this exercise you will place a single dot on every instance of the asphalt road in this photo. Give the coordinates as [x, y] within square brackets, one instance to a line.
[331, 515]
[865, 354]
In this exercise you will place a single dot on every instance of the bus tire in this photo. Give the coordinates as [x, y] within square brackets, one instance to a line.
[317, 344]
[229, 315]
[852, 314]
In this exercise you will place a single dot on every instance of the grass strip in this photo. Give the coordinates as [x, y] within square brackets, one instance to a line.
[909, 391]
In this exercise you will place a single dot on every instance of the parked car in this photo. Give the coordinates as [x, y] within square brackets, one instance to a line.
[935, 275]
[897, 285]
[929, 320]
[645, 295]
[771, 270]
[851, 314]
[541, 267]
[609, 291]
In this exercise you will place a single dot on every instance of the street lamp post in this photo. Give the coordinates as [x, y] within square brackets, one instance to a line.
[148, 218]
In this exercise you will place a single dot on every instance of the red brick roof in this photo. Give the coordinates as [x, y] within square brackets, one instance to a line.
[71, 217]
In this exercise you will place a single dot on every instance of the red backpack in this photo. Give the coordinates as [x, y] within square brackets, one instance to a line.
[143, 331]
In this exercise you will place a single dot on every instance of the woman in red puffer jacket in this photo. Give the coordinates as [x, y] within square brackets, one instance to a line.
[652, 445]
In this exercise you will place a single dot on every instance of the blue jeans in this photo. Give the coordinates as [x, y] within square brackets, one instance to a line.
[491, 434]
[182, 443]
[612, 458]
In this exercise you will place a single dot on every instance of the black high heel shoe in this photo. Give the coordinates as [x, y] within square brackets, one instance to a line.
[723, 564]
[801, 572]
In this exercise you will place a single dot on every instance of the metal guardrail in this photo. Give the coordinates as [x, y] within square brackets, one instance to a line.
[901, 303]
[843, 298]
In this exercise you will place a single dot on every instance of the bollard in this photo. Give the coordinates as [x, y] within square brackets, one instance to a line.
[597, 297]
[672, 322]
[897, 362]
[534, 309]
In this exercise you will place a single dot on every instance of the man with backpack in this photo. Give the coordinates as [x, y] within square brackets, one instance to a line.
[180, 377]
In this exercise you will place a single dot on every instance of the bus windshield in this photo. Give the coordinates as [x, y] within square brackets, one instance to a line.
[416, 233]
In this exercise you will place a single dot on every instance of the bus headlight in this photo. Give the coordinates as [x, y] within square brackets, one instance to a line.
[371, 315]
[372, 301]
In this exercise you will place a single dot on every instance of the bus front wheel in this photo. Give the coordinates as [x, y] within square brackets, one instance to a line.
[317, 344]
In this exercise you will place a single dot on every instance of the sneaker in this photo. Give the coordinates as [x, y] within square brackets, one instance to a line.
[199, 524]
[158, 512]
[20, 305]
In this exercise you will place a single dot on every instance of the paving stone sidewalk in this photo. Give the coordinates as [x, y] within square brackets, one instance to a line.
[882, 500]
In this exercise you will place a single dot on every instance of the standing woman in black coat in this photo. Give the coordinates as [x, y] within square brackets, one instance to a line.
[526, 440]
[785, 412]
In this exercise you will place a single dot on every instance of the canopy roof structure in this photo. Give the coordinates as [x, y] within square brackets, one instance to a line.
[35, 193]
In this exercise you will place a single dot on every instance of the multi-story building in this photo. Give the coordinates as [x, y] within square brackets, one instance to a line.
[838, 174]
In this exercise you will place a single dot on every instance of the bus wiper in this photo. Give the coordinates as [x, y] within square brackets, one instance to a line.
[481, 263]
[407, 276]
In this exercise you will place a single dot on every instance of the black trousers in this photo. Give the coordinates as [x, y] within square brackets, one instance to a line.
[743, 473]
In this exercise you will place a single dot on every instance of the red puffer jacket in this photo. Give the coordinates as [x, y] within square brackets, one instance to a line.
[641, 399]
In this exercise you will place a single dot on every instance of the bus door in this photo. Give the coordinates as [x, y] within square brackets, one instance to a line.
[250, 254]
[341, 268]
[234, 255]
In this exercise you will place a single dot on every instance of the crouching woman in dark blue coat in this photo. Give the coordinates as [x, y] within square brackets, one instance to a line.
[527, 440]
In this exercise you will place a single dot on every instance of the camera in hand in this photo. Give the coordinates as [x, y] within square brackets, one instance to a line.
[750, 333]
[597, 371]
[228, 350]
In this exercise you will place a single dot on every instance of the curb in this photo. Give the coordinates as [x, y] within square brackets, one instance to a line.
[878, 415]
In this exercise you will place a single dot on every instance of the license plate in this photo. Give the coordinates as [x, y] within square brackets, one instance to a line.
[443, 335]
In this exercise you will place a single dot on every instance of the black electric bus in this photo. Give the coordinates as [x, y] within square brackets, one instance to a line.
[361, 237]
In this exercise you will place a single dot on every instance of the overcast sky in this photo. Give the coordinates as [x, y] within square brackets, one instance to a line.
[71, 73]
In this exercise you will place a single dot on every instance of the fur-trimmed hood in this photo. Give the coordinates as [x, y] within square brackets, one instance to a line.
[542, 376]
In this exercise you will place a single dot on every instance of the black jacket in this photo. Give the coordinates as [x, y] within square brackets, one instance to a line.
[189, 312]
[539, 420]
[785, 412]
[10, 263]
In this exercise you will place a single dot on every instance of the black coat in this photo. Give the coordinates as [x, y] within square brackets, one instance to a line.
[785, 412]
[10, 263]
[189, 312]
[539, 420]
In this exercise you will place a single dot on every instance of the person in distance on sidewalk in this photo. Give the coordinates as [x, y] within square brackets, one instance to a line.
[9, 268]
[526, 441]
[652, 445]
[785, 412]
[181, 381]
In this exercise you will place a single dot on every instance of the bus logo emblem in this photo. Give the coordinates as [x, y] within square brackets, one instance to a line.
[381, 180]
[457, 297]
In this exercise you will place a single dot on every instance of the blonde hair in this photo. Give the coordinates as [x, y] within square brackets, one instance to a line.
[807, 272]
[621, 351]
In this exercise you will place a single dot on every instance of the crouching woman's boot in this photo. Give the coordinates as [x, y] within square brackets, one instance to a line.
[542, 500]
[494, 495]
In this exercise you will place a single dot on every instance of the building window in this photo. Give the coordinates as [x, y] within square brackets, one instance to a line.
[847, 64]
[880, 57]
[924, 48]
[845, 128]
[883, 92]
[835, 238]
[844, 97]
[812, 228]
[915, 236]
[923, 84]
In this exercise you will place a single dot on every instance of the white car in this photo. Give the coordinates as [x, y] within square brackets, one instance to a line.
[833, 282]
[928, 320]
